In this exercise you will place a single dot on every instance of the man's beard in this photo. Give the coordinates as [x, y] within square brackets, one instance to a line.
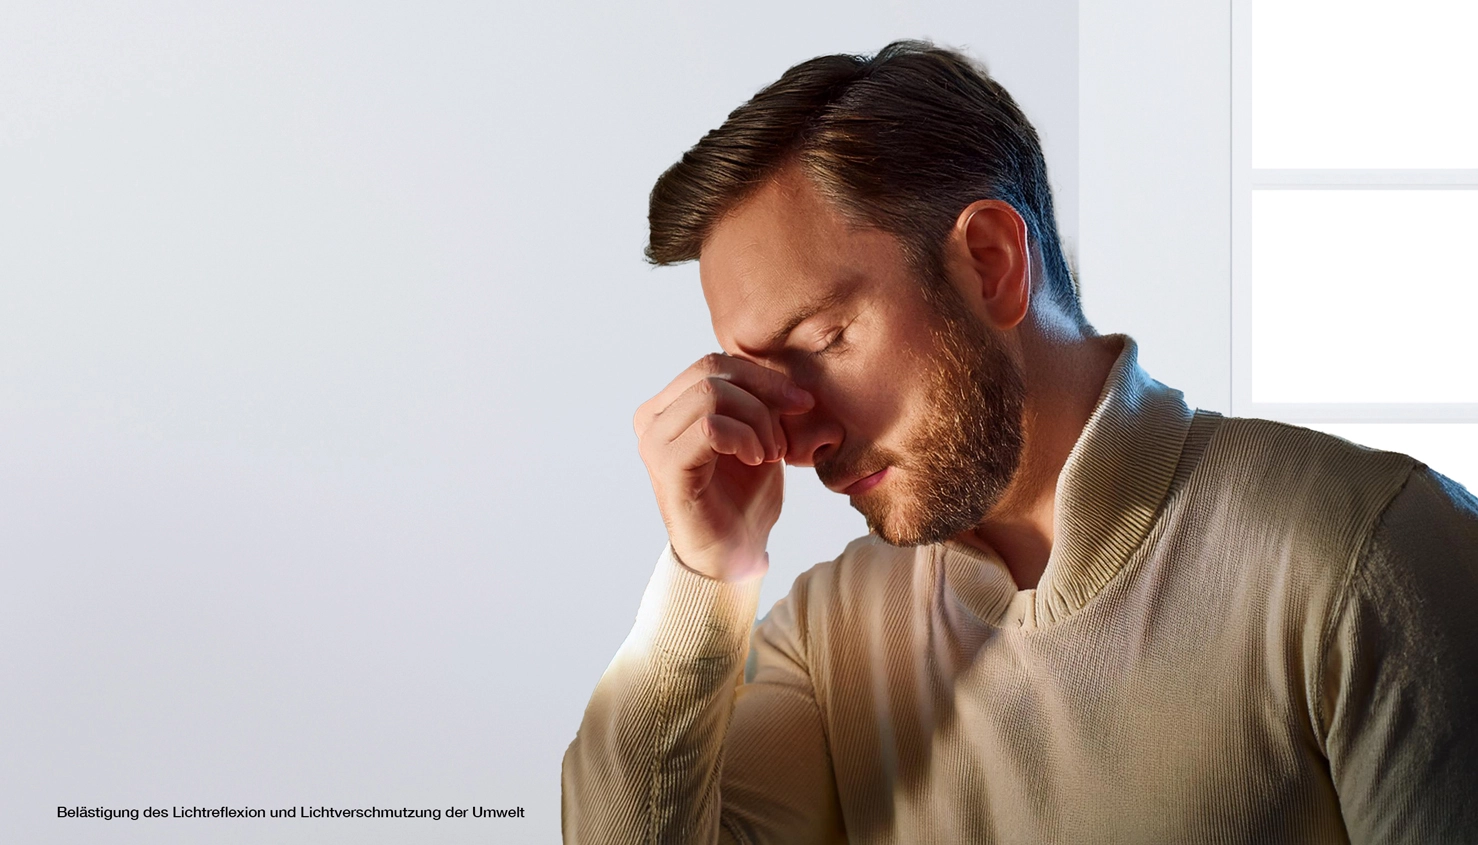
[963, 454]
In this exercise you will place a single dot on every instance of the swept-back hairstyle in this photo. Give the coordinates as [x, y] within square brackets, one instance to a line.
[902, 141]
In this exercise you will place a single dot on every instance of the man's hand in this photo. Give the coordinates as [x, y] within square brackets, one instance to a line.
[714, 447]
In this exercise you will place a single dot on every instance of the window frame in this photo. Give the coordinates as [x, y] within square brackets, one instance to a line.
[1244, 181]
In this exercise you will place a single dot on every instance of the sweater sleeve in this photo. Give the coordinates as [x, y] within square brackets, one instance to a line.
[675, 747]
[1401, 676]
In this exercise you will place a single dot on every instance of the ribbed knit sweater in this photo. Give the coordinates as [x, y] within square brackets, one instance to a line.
[1246, 632]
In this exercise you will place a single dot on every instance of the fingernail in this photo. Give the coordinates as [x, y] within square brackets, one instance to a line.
[795, 394]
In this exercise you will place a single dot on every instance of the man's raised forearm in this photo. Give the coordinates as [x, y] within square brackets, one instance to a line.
[645, 764]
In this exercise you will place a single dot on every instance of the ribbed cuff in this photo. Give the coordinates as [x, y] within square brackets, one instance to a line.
[689, 615]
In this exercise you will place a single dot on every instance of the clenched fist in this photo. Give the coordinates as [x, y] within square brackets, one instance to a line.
[714, 448]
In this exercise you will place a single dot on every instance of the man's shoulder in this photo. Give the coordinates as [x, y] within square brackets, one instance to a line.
[1272, 446]
[1282, 485]
[1287, 471]
[1257, 458]
[824, 601]
[863, 561]
[869, 573]
[1432, 519]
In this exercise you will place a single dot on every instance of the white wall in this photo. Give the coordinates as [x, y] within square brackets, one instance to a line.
[1155, 185]
[321, 326]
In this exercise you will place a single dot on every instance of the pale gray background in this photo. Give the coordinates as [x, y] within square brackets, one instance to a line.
[321, 327]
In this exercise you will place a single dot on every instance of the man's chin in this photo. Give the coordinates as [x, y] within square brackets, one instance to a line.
[911, 522]
[879, 521]
[904, 529]
[906, 536]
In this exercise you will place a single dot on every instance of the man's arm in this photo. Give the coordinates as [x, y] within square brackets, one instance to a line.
[1400, 696]
[674, 747]
[647, 762]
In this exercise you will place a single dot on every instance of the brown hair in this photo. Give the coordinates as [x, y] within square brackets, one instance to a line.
[903, 141]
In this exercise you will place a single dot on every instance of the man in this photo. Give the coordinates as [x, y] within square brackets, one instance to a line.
[1084, 612]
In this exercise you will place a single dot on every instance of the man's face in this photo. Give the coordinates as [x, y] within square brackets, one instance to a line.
[918, 408]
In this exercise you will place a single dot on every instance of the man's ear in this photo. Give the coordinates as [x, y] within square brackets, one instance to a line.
[995, 255]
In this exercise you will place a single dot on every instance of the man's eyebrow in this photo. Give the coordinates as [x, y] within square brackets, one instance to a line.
[801, 315]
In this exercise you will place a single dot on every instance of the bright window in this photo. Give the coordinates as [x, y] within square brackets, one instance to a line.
[1355, 217]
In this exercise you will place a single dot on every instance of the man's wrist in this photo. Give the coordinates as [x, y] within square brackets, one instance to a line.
[688, 613]
[728, 566]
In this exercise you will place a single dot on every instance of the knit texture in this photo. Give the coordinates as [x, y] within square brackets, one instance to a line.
[1246, 632]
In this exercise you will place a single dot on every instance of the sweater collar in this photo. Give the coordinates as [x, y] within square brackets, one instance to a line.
[1114, 481]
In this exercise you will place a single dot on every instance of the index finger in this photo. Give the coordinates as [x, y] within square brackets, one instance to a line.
[771, 387]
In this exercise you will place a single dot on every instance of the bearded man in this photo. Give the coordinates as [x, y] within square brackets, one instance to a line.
[1084, 611]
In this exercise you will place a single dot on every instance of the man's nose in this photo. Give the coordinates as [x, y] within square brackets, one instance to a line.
[811, 436]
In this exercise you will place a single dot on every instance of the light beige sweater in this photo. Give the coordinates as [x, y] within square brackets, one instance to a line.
[1246, 632]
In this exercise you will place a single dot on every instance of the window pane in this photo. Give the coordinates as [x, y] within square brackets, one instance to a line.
[1364, 296]
[1451, 449]
[1361, 84]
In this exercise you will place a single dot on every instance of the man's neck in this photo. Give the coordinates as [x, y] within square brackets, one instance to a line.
[1063, 377]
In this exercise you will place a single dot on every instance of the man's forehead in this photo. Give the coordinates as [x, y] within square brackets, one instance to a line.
[751, 294]
[782, 252]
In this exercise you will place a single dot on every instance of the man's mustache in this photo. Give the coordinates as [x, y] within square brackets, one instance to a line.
[861, 464]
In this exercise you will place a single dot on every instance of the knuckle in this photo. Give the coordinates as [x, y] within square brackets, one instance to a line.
[711, 363]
